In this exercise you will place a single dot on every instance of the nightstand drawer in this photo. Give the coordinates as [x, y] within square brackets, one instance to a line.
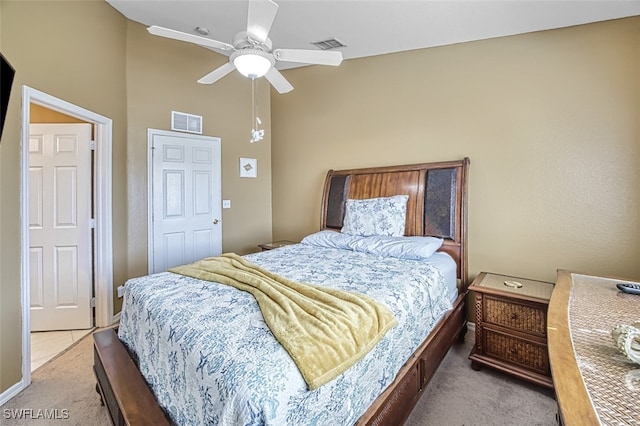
[525, 318]
[517, 351]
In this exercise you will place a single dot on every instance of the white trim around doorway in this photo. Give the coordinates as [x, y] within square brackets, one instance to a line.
[103, 251]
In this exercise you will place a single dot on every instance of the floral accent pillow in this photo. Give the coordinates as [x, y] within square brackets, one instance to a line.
[376, 216]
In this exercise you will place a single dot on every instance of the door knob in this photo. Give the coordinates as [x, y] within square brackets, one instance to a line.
[215, 221]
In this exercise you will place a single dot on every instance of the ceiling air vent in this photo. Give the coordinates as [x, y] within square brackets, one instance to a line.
[331, 43]
[186, 122]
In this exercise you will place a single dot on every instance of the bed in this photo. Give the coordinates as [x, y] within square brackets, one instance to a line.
[379, 389]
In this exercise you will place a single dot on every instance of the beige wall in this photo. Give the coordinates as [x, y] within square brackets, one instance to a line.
[550, 120]
[73, 31]
[40, 114]
[161, 77]
[94, 58]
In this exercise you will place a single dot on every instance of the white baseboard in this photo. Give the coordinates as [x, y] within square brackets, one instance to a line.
[11, 392]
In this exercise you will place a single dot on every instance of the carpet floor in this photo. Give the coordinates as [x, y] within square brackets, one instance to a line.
[64, 388]
[458, 395]
[62, 391]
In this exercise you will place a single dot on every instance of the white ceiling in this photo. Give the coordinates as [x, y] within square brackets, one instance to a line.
[375, 27]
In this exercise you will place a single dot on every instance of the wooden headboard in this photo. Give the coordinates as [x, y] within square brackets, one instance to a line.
[437, 204]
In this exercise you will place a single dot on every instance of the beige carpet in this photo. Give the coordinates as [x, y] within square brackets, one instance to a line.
[457, 395]
[62, 391]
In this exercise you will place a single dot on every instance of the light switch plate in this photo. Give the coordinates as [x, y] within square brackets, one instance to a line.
[226, 204]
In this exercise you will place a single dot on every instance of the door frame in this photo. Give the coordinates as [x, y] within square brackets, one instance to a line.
[103, 244]
[150, 134]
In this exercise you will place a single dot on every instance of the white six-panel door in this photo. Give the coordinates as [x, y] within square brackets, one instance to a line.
[185, 199]
[60, 250]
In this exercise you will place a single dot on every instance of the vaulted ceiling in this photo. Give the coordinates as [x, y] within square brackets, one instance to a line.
[376, 27]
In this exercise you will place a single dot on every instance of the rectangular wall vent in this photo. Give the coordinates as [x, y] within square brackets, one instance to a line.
[186, 122]
[331, 43]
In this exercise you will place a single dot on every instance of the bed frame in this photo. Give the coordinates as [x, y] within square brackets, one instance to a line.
[436, 207]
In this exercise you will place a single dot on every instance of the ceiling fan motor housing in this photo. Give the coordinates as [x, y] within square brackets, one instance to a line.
[242, 40]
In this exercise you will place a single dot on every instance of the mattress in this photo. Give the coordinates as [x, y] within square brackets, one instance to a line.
[209, 357]
[447, 266]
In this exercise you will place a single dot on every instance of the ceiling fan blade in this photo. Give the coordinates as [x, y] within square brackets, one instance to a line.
[318, 57]
[260, 18]
[278, 81]
[217, 74]
[178, 35]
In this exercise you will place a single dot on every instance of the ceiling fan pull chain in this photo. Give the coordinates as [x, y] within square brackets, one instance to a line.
[257, 134]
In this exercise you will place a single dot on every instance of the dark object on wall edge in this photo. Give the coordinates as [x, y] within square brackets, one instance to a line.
[6, 80]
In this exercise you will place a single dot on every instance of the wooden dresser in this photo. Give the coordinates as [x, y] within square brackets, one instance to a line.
[511, 326]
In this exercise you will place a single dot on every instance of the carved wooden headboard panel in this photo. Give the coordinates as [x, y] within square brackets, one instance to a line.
[437, 204]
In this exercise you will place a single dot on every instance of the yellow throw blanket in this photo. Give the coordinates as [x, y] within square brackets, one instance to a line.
[324, 330]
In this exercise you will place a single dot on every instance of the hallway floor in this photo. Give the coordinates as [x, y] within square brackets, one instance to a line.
[47, 344]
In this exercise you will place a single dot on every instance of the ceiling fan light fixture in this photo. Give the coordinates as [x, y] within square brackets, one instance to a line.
[252, 63]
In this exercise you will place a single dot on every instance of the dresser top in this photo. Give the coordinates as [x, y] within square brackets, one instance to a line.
[594, 382]
[514, 286]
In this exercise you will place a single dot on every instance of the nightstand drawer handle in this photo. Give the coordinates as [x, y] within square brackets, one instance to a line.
[514, 315]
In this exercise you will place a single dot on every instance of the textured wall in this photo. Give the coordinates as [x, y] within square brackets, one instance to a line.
[161, 77]
[60, 67]
[550, 120]
[94, 58]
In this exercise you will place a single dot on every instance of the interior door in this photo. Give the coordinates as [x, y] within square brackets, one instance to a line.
[185, 199]
[60, 259]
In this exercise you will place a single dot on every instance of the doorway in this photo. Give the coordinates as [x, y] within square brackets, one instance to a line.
[184, 178]
[101, 248]
[60, 234]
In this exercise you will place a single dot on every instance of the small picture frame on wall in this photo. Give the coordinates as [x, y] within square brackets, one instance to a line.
[248, 168]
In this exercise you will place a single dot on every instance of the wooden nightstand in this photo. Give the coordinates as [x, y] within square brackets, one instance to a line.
[511, 326]
[275, 245]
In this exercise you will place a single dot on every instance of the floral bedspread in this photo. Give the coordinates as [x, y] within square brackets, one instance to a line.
[210, 359]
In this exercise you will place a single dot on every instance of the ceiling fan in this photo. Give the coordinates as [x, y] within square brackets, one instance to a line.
[251, 52]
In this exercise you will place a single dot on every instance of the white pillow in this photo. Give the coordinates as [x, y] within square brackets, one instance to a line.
[333, 239]
[376, 216]
[412, 248]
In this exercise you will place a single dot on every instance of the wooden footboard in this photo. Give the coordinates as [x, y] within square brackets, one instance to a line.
[122, 388]
[130, 402]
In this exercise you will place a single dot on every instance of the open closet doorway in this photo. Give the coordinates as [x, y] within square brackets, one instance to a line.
[60, 232]
[66, 256]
